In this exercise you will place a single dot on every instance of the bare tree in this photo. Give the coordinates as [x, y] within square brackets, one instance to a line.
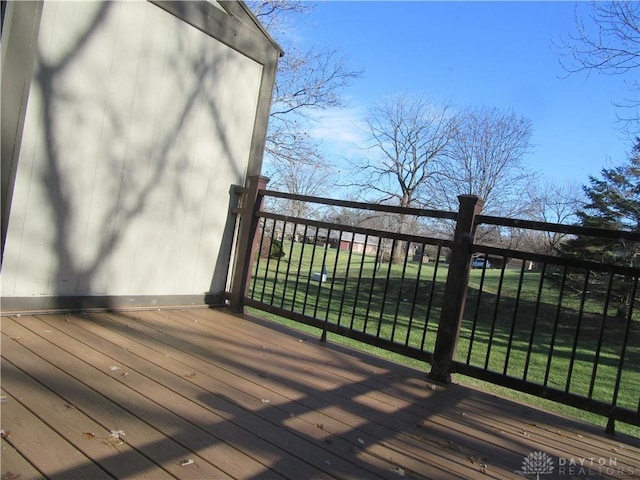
[301, 176]
[407, 134]
[551, 202]
[308, 79]
[486, 159]
[608, 42]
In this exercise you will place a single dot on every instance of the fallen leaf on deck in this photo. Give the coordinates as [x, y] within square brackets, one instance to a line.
[89, 435]
[189, 375]
[265, 400]
[184, 463]
[360, 441]
[116, 433]
[320, 426]
[113, 368]
[398, 470]
[5, 433]
[16, 339]
[10, 476]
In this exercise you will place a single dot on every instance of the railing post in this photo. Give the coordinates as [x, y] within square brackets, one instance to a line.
[455, 290]
[244, 252]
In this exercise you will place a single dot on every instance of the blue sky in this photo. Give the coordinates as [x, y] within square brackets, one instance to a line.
[496, 54]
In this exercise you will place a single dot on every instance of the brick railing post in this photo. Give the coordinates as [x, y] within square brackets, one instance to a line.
[455, 290]
[245, 251]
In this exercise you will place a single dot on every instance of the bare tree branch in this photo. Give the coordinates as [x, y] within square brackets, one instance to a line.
[408, 133]
[485, 159]
[308, 79]
[609, 43]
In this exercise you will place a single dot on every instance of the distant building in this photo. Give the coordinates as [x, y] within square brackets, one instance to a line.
[356, 242]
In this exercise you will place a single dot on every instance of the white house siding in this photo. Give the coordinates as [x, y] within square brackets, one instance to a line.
[136, 127]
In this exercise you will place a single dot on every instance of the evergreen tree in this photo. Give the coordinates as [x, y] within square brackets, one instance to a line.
[613, 202]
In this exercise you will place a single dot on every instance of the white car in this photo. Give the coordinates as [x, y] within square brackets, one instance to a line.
[480, 262]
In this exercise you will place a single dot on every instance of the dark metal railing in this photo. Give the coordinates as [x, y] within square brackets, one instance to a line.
[343, 280]
[559, 328]
[581, 350]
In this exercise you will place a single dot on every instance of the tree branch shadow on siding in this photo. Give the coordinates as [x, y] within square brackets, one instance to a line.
[76, 271]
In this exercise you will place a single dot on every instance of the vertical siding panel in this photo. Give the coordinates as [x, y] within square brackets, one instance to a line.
[131, 67]
[173, 126]
[101, 167]
[78, 104]
[236, 97]
[61, 29]
[144, 127]
[194, 194]
[152, 123]
[121, 226]
[24, 268]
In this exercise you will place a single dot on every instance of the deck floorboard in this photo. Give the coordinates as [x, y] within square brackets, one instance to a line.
[244, 398]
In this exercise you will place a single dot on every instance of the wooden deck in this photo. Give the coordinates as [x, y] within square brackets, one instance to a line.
[201, 394]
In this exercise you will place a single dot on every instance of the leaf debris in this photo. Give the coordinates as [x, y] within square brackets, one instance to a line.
[10, 476]
[398, 470]
[116, 434]
[115, 438]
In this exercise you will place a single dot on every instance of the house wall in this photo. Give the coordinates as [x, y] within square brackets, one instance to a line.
[138, 122]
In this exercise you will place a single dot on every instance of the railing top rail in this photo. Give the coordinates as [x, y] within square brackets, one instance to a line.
[420, 212]
[560, 261]
[559, 228]
[336, 227]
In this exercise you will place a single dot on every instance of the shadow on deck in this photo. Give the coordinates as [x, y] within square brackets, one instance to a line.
[202, 394]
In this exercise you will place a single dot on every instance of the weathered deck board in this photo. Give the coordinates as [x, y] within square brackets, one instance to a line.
[20, 468]
[245, 398]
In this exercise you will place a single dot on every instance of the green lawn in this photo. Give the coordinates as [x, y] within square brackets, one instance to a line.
[401, 303]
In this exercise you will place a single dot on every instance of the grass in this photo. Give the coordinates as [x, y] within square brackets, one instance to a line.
[516, 324]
